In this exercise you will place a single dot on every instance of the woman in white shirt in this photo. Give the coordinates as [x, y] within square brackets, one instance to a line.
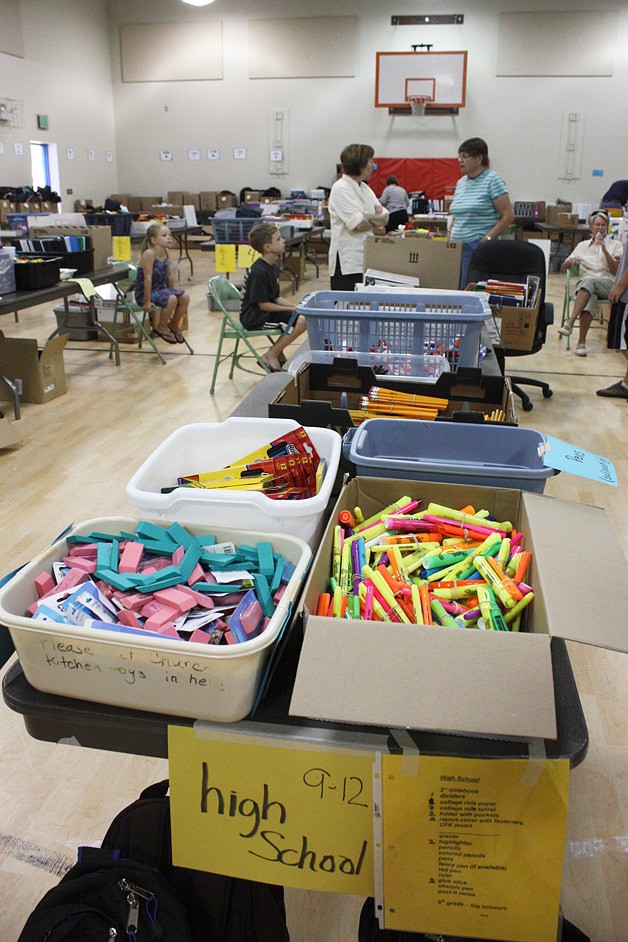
[598, 258]
[354, 211]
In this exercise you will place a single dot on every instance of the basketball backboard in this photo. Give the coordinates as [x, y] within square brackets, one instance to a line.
[441, 75]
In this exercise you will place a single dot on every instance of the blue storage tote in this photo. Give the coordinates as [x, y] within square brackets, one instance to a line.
[448, 323]
[452, 453]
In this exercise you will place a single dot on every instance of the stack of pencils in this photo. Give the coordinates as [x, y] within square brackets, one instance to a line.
[399, 405]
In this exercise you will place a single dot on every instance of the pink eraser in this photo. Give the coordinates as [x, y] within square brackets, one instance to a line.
[229, 638]
[84, 549]
[200, 598]
[80, 562]
[168, 630]
[197, 575]
[129, 618]
[44, 583]
[131, 557]
[180, 601]
[156, 563]
[199, 636]
[72, 578]
[159, 618]
[178, 555]
[135, 601]
[280, 591]
[251, 618]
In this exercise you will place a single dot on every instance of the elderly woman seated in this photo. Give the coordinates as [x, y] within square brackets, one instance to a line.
[598, 258]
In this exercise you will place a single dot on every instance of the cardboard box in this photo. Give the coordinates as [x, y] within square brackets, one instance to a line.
[167, 209]
[552, 212]
[121, 198]
[295, 264]
[192, 199]
[40, 373]
[252, 196]
[102, 243]
[435, 261]
[538, 211]
[484, 683]
[80, 206]
[6, 206]
[175, 196]
[570, 220]
[226, 200]
[148, 201]
[208, 199]
[313, 396]
[516, 325]
[134, 204]
[49, 207]
[8, 432]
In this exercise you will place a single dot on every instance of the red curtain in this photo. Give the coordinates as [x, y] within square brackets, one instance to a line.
[431, 174]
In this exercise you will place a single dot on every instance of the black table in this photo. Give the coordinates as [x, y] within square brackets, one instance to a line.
[16, 301]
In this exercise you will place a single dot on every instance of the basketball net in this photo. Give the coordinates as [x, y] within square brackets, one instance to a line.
[418, 103]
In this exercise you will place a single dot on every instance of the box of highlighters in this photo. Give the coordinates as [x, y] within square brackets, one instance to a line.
[495, 683]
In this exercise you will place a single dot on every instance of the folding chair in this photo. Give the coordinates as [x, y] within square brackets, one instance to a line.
[602, 312]
[123, 304]
[223, 291]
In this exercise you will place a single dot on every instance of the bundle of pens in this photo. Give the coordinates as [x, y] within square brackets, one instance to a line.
[398, 404]
[457, 568]
[288, 468]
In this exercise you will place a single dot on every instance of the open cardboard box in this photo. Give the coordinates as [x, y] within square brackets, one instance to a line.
[435, 261]
[313, 396]
[480, 683]
[516, 325]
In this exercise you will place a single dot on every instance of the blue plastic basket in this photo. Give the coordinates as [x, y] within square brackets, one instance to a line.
[444, 323]
[233, 230]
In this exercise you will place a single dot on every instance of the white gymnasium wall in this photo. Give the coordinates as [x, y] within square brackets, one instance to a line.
[520, 117]
[66, 74]
[71, 71]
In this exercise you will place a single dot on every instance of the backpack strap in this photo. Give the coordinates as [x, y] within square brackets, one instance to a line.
[157, 790]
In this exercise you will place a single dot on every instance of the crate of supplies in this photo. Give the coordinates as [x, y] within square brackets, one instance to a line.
[419, 322]
[120, 223]
[233, 230]
[192, 449]
[36, 271]
[456, 453]
[131, 667]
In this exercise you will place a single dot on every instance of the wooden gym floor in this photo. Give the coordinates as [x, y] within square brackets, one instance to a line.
[76, 455]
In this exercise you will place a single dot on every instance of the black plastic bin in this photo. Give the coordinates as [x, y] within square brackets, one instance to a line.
[38, 271]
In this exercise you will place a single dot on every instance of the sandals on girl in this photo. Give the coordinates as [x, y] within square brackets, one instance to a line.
[165, 335]
[178, 336]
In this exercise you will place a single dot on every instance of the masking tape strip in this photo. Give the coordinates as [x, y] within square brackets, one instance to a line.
[293, 737]
[598, 845]
[410, 752]
[378, 840]
[535, 764]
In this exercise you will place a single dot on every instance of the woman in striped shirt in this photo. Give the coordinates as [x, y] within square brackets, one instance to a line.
[481, 206]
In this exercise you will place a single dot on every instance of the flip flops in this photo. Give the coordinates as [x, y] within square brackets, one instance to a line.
[165, 335]
[178, 336]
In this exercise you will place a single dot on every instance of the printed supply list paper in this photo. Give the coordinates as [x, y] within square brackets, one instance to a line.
[470, 849]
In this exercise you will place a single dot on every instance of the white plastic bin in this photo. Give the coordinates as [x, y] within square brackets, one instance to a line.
[402, 367]
[209, 446]
[181, 678]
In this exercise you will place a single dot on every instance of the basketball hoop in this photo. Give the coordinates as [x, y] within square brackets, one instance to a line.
[418, 103]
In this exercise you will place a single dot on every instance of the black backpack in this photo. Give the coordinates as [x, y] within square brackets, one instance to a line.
[131, 880]
[113, 900]
[219, 908]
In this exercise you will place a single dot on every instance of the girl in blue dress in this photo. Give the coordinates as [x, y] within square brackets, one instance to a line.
[155, 284]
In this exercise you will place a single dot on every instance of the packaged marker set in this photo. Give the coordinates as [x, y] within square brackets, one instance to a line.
[288, 468]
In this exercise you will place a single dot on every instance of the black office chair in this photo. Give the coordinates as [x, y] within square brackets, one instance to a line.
[511, 260]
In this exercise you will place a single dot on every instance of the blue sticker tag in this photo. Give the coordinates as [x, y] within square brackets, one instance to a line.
[597, 173]
[565, 457]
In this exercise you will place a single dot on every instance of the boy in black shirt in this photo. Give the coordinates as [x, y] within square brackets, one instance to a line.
[261, 302]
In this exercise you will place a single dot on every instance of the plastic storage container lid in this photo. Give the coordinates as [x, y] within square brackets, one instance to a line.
[488, 451]
[410, 367]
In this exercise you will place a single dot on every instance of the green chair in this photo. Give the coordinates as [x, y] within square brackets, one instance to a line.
[222, 291]
[602, 312]
[125, 305]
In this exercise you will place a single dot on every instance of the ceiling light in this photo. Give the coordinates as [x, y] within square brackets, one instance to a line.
[198, 3]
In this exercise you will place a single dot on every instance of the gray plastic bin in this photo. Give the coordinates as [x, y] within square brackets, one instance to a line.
[498, 456]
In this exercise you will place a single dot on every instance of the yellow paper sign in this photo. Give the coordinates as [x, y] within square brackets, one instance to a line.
[277, 815]
[246, 256]
[470, 849]
[225, 258]
[122, 248]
